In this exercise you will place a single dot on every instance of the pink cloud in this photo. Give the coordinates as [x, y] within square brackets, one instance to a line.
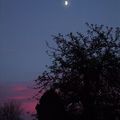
[18, 97]
[19, 88]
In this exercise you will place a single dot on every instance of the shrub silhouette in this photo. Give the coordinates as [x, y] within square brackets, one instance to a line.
[50, 107]
[86, 70]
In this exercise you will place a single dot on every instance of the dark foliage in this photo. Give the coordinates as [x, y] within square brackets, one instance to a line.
[86, 71]
[50, 107]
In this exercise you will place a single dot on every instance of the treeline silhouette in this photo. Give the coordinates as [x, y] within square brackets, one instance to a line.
[83, 82]
[11, 111]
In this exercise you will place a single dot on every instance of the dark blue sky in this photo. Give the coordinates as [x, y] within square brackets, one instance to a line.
[25, 25]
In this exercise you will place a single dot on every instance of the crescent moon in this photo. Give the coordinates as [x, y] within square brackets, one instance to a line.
[66, 2]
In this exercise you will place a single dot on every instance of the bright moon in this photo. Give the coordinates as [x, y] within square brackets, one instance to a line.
[66, 3]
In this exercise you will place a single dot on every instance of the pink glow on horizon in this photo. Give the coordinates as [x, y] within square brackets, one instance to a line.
[22, 94]
[29, 106]
[25, 96]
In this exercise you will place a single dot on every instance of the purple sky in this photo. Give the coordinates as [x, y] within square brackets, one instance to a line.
[25, 25]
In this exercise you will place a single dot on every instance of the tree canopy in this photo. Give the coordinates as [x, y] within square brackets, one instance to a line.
[85, 70]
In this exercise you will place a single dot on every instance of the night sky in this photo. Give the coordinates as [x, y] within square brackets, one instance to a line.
[25, 25]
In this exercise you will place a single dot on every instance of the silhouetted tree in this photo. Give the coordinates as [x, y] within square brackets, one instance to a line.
[86, 71]
[10, 111]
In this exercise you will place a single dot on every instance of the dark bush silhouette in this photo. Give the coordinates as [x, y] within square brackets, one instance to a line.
[50, 107]
[86, 71]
